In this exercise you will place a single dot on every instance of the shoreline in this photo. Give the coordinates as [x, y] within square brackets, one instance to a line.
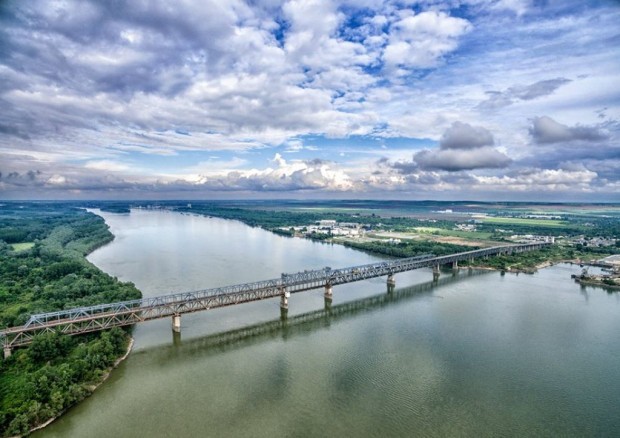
[92, 389]
[532, 270]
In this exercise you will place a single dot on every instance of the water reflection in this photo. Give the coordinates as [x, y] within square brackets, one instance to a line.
[289, 327]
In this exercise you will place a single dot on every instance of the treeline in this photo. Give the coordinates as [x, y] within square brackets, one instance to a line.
[527, 261]
[40, 381]
[408, 248]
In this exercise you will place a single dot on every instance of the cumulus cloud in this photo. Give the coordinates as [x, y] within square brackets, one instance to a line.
[421, 40]
[464, 136]
[455, 160]
[545, 130]
[286, 176]
[462, 147]
[294, 176]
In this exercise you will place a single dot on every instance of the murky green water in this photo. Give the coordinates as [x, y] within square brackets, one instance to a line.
[477, 354]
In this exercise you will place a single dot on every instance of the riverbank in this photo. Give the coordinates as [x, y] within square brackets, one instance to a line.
[55, 372]
[91, 389]
[528, 270]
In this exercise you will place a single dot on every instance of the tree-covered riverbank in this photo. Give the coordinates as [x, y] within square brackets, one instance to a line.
[51, 273]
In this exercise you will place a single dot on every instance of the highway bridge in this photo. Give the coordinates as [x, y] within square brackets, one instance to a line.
[103, 316]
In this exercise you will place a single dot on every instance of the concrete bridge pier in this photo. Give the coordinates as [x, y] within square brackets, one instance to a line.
[7, 352]
[176, 323]
[391, 280]
[329, 291]
[436, 273]
[455, 265]
[284, 299]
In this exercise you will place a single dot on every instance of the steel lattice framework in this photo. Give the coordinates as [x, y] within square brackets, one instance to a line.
[104, 316]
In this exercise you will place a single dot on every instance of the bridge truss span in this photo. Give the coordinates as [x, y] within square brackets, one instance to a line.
[104, 316]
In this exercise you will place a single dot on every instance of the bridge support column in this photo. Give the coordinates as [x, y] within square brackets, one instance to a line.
[455, 265]
[7, 352]
[328, 296]
[284, 299]
[436, 273]
[176, 323]
[391, 283]
[329, 291]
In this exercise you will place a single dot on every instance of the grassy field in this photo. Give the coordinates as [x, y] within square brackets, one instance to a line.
[22, 246]
[519, 221]
[454, 233]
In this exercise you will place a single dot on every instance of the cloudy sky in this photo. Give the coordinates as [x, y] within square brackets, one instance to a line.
[460, 99]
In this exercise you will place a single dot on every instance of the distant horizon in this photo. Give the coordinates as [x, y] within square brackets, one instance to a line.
[315, 200]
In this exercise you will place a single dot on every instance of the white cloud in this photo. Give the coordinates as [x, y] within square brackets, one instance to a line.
[420, 41]
[106, 165]
[540, 180]
[286, 176]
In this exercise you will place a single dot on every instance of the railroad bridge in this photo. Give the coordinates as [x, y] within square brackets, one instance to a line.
[103, 316]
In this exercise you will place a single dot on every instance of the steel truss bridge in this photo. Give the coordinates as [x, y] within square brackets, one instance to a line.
[100, 317]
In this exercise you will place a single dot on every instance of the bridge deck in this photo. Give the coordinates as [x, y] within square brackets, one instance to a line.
[103, 316]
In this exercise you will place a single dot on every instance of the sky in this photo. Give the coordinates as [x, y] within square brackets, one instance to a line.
[313, 99]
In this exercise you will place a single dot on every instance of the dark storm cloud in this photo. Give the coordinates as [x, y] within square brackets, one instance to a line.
[545, 130]
[499, 99]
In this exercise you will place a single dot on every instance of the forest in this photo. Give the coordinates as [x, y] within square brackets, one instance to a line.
[50, 272]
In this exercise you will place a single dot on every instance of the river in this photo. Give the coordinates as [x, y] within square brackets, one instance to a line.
[476, 354]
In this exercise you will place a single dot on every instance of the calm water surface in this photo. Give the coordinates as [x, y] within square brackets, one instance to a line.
[477, 354]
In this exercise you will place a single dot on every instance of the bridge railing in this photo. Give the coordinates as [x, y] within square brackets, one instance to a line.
[133, 305]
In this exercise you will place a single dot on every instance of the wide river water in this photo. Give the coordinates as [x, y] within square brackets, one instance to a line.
[475, 354]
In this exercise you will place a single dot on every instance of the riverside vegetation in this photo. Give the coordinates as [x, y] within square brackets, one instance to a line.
[49, 272]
